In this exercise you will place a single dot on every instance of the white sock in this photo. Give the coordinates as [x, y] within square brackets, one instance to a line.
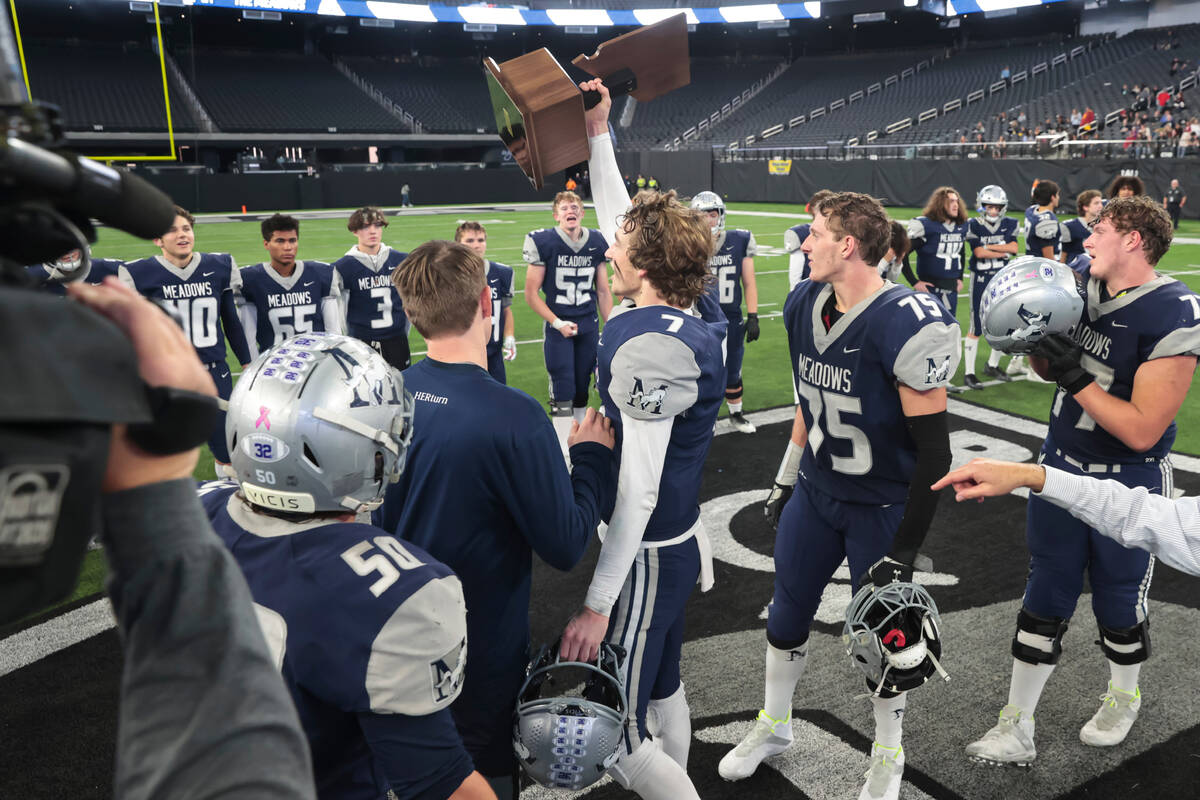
[672, 725]
[970, 349]
[1125, 676]
[562, 426]
[578, 413]
[994, 358]
[784, 668]
[653, 775]
[889, 719]
[1028, 681]
[735, 406]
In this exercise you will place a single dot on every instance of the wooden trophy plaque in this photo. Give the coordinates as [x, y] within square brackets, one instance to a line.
[539, 109]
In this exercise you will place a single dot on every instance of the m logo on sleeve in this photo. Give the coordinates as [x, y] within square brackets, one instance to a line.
[651, 401]
[447, 673]
[935, 372]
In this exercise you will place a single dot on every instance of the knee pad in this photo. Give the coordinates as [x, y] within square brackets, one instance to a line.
[788, 644]
[1038, 639]
[1126, 645]
[652, 774]
[560, 408]
[662, 712]
[580, 400]
[734, 394]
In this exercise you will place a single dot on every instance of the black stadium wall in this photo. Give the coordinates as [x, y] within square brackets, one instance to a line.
[901, 182]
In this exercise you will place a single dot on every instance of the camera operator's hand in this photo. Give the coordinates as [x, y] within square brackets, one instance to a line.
[165, 358]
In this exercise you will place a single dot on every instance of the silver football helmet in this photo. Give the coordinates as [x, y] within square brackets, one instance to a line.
[570, 717]
[318, 423]
[69, 266]
[1029, 299]
[893, 633]
[711, 201]
[992, 195]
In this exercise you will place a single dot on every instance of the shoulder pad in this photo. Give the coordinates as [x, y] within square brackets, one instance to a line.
[529, 250]
[916, 228]
[1046, 228]
[791, 240]
[654, 375]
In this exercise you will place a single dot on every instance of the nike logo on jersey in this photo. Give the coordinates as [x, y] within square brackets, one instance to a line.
[224, 375]
[849, 350]
[308, 283]
[1119, 325]
[208, 274]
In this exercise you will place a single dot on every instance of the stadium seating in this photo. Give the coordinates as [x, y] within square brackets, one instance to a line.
[105, 87]
[445, 97]
[282, 92]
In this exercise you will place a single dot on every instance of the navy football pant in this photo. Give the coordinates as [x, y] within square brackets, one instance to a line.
[571, 360]
[816, 533]
[395, 351]
[947, 297]
[1062, 549]
[647, 620]
[221, 376]
[979, 282]
[735, 350]
[495, 360]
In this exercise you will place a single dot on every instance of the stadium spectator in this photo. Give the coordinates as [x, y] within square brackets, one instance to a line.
[184, 612]
[1174, 201]
[468, 496]
[571, 184]
[1132, 516]
[1076, 117]
[1005, 73]
[1161, 98]
[405, 200]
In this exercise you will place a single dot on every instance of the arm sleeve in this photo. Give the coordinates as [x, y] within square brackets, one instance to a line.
[230, 320]
[421, 757]
[931, 433]
[643, 452]
[608, 190]
[229, 728]
[248, 314]
[1170, 529]
[906, 270]
[559, 512]
[333, 311]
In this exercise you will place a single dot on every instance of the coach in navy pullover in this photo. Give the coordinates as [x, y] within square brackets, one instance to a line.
[485, 486]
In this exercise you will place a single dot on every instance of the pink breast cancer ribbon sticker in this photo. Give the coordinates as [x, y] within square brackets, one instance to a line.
[263, 411]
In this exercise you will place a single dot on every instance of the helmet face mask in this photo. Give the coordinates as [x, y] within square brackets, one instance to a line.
[893, 634]
[705, 202]
[570, 717]
[1031, 298]
[318, 423]
[70, 266]
[991, 195]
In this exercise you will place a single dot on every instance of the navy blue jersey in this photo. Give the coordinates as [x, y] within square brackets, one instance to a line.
[483, 488]
[1041, 230]
[277, 308]
[373, 307]
[571, 267]
[729, 249]
[657, 362]
[1073, 234]
[981, 233]
[1158, 319]
[97, 271]
[938, 247]
[203, 295]
[858, 449]
[370, 636]
[793, 239]
[500, 282]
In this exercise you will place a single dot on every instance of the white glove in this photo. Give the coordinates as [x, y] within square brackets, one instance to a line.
[509, 348]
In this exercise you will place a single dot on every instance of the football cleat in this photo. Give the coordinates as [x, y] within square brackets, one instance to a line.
[1017, 367]
[884, 775]
[996, 373]
[972, 382]
[1009, 742]
[952, 389]
[1110, 725]
[740, 424]
[767, 738]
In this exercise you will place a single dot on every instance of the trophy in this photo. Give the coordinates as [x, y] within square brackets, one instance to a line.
[540, 110]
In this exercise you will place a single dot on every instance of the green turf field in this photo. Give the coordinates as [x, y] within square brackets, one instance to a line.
[766, 373]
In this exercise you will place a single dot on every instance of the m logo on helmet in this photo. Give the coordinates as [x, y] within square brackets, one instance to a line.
[447, 673]
[935, 372]
[1033, 317]
[651, 400]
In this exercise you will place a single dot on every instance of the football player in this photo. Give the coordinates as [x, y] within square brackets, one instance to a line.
[1042, 234]
[870, 361]
[661, 379]
[992, 237]
[937, 237]
[283, 297]
[566, 263]
[502, 345]
[1122, 374]
[200, 288]
[732, 266]
[892, 263]
[369, 632]
[1126, 186]
[77, 265]
[794, 236]
[1075, 231]
[486, 487]
[374, 312]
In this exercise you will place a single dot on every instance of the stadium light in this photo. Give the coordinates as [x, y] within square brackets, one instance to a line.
[755, 13]
[649, 16]
[579, 16]
[911, 3]
[405, 12]
[493, 16]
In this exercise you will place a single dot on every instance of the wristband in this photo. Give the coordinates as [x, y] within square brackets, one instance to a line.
[789, 469]
[558, 324]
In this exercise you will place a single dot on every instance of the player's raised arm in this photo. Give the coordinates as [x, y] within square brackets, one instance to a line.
[608, 190]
